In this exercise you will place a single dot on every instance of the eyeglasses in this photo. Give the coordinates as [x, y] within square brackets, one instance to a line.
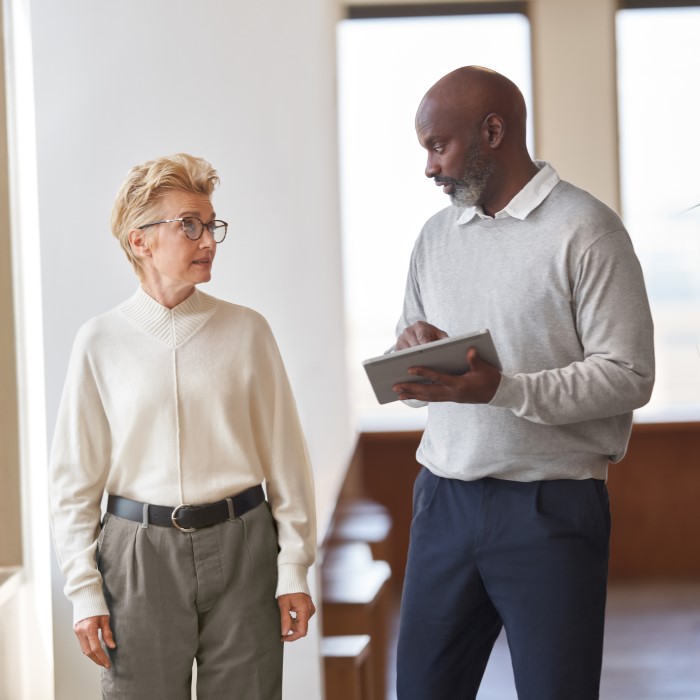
[193, 227]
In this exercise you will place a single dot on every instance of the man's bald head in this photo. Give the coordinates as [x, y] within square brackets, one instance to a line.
[469, 94]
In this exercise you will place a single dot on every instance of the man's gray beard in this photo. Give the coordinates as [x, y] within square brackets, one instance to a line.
[469, 188]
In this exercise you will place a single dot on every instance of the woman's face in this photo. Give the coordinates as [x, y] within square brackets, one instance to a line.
[175, 261]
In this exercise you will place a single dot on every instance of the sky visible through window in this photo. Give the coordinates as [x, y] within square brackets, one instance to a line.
[659, 112]
[385, 66]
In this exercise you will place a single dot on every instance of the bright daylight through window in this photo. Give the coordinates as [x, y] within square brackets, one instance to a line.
[659, 108]
[385, 67]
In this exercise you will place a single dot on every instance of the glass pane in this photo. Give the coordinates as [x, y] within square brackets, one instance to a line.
[659, 110]
[385, 67]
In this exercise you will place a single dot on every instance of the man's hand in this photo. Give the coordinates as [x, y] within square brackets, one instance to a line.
[419, 333]
[87, 632]
[296, 610]
[479, 385]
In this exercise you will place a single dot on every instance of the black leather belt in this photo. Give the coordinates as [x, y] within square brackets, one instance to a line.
[185, 517]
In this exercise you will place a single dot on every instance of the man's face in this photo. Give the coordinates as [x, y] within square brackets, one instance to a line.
[457, 160]
[467, 190]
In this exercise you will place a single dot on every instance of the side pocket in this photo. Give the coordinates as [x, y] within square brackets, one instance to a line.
[274, 523]
[424, 490]
[260, 536]
[101, 539]
[603, 499]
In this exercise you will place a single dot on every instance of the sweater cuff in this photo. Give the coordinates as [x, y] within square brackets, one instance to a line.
[414, 403]
[88, 601]
[292, 579]
[510, 394]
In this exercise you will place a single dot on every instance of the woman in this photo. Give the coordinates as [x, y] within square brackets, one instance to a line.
[177, 398]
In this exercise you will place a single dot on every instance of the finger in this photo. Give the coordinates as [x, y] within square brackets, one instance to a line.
[407, 339]
[290, 632]
[292, 637]
[97, 653]
[286, 618]
[475, 362]
[426, 333]
[84, 646]
[303, 615]
[299, 629]
[91, 648]
[433, 377]
[300, 610]
[418, 334]
[423, 392]
[100, 658]
[107, 636]
[83, 635]
[427, 373]
[439, 334]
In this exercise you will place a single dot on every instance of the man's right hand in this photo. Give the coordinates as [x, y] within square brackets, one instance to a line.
[87, 632]
[419, 333]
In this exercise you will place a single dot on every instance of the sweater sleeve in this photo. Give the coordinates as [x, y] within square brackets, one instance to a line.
[413, 310]
[79, 465]
[288, 475]
[615, 329]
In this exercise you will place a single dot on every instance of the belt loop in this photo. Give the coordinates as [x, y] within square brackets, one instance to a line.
[231, 514]
[144, 522]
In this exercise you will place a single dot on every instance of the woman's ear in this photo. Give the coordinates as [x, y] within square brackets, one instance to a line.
[138, 240]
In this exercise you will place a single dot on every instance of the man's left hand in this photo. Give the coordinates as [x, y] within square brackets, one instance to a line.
[479, 385]
[296, 625]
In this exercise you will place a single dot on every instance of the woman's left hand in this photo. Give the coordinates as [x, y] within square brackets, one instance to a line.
[296, 610]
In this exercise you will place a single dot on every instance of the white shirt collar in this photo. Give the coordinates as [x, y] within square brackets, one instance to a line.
[528, 199]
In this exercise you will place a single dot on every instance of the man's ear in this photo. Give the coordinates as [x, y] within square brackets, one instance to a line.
[495, 129]
[138, 240]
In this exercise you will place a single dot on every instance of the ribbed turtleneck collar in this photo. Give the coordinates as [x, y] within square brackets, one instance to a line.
[172, 326]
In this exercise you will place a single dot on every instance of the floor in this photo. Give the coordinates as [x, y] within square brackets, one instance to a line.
[652, 647]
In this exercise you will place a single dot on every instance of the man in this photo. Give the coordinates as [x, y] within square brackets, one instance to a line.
[511, 518]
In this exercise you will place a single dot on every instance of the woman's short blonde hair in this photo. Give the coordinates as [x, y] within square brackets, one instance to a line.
[145, 184]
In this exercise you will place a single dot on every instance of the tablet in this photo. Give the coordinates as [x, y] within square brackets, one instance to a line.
[448, 355]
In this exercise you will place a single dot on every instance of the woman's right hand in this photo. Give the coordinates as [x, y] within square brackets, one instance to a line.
[87, 631]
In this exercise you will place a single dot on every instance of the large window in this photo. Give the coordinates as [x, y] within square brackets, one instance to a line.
[659, 108]
[385, 67]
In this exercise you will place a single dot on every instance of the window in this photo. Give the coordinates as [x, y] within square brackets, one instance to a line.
[385, 67]
[659, 108]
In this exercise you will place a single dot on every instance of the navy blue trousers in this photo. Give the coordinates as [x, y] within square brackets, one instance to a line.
[531, 557]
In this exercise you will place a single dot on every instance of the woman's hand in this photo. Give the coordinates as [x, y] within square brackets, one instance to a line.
[296, 610]
[87, 632]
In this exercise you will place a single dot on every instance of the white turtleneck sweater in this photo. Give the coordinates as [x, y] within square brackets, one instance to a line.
[169, 406]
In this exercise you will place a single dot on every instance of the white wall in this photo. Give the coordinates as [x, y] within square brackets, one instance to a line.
[250, 87]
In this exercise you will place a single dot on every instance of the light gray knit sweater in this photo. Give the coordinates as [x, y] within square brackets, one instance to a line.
[563, 295]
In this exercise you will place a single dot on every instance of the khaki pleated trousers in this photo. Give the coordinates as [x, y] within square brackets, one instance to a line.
[175, 597]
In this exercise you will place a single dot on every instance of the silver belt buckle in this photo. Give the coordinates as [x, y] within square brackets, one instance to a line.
[173, 517]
